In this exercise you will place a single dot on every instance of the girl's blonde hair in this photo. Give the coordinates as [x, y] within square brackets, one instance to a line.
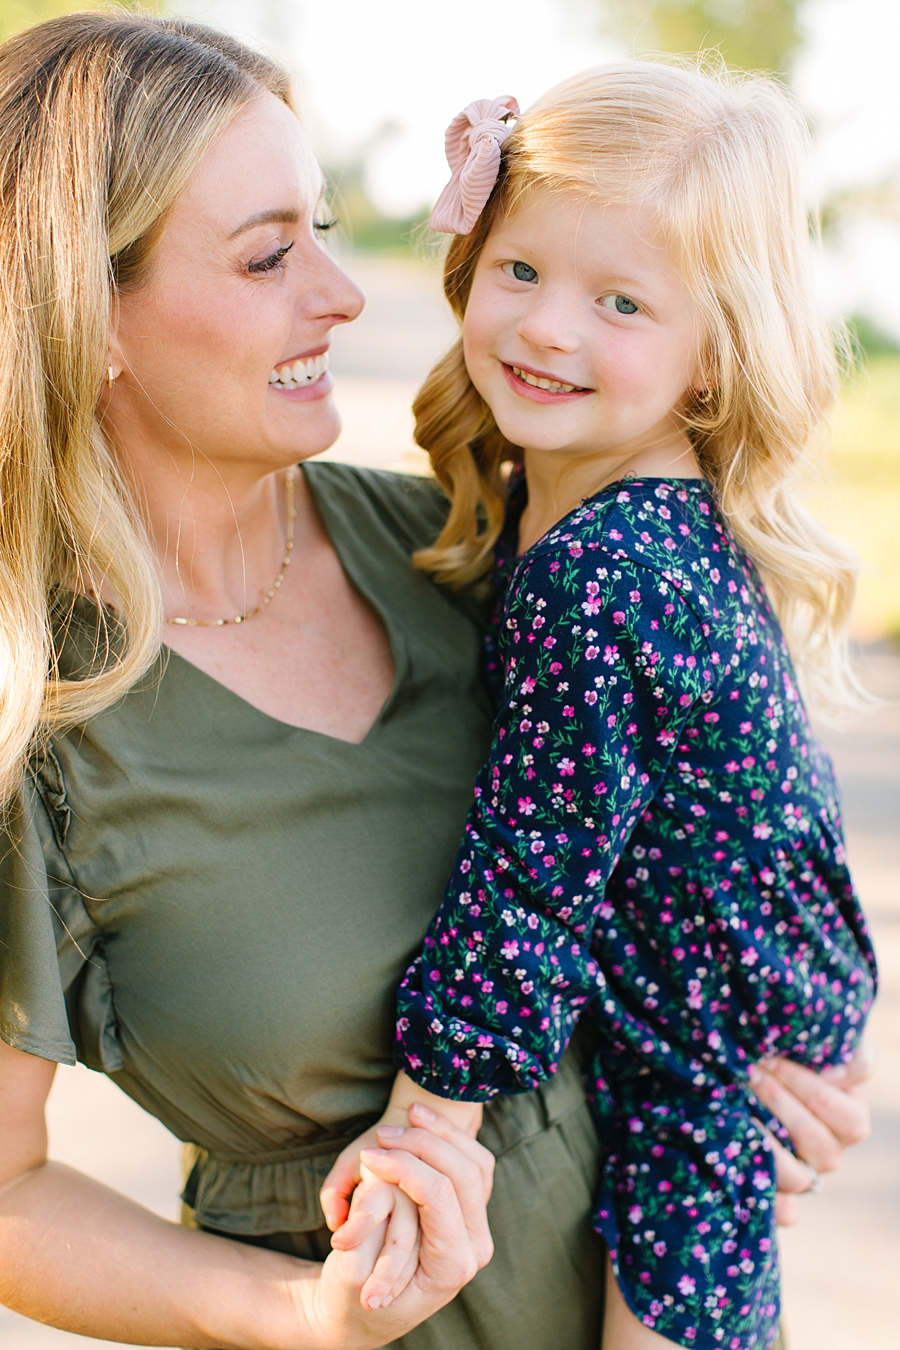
[103, 119]
[720, 158]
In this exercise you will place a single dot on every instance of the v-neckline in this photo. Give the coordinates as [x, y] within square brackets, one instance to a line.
[395, 636]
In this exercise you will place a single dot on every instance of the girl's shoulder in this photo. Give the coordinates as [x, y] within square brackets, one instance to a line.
[654, 520]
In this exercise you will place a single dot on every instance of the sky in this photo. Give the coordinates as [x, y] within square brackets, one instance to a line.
[363, 65]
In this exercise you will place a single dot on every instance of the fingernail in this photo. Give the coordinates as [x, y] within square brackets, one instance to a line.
[391, 1131]
[754, 1074]
[375, 1152]
[422, 1111]
[835, 1073]
[374, 1301]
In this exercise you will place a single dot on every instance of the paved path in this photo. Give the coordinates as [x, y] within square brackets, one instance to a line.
[842, 1263]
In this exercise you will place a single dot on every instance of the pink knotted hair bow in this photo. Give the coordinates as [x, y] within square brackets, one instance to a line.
[473, 144]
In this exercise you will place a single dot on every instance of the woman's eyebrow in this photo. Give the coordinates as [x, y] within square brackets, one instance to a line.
[283, 215]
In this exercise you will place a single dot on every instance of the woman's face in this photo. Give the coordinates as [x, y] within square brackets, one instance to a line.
[223, 352]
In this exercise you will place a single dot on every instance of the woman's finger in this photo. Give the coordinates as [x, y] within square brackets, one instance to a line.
[399, 1256]
[422, 1117]
[462, 1169]
[839, 1106]
[342, 1180]
[810, 1113]
[373, 1203]
[447, 1255]
[794, 1179]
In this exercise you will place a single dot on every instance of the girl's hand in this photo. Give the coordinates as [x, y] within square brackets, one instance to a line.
[379, 1205]
[825, 1113]
[374, 1203]
[345, 1175]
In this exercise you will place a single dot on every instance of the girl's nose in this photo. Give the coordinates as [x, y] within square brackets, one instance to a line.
[550, 321]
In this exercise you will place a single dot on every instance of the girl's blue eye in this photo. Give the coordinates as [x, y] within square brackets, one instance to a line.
[622, 304]
[522, 272]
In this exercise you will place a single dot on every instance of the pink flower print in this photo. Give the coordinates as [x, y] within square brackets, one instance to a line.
[589, 749]
[528, 684]
[567, 767]
[618, 617]
[538, 621]
[555, 667]
[669, 543]
[594, 879]
[711, 717]
[592, 605]
[615, 534]
[484, 1042]
[635, 1214]
[749, 957]
[746, 727]
[591, 653]
[526, 806]
[568, 710]
[590, 696]
[610, 655]
[762, 831]
[575, 550]
[686, 1286]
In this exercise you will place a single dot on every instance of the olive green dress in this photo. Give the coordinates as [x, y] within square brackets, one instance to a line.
[215, 909]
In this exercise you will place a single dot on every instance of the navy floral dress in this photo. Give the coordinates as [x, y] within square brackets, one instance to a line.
[655, 839]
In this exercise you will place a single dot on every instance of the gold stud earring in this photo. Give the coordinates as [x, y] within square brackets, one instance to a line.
[110, 377]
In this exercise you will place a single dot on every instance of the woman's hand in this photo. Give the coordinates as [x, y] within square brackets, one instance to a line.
[345, 1175]
[375, 1203]
[824, 1113]
[447, 1175]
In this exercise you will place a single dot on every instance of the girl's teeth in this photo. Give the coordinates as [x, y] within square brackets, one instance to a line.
[555, 386]
[299, 373]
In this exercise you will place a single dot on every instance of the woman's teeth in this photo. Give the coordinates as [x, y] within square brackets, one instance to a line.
[296, 374]
[555, 386]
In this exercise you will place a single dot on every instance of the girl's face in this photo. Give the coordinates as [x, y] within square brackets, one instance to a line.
[241, 291]
[579, 332]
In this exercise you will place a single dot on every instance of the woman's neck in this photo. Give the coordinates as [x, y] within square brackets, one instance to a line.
[558, 482]
[218, 532]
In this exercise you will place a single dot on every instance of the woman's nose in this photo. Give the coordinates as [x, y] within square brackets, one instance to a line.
[331, 294]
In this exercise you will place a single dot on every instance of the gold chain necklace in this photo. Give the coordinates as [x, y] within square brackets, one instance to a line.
[276, 584]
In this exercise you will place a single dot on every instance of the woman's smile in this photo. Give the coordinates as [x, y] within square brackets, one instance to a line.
[302, 378]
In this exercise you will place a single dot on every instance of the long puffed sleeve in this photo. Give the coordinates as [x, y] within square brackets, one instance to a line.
[604, 659]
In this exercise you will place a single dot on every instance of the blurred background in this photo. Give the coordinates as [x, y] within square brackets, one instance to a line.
[378, 83]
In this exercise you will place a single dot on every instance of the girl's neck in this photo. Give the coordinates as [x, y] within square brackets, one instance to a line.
[558, 482]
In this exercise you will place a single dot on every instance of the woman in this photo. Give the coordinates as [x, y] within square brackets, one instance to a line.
[222, 856]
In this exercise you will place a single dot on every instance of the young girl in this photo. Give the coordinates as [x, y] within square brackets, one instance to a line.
[655, 840]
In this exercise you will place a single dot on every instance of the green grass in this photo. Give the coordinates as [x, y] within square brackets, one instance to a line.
[859, 497]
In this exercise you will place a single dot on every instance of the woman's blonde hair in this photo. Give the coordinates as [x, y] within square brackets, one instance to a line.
[720, 158]
[103, 119]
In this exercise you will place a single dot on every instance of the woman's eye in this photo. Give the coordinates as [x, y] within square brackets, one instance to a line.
[323, 226]
[274, 260]
[522, 271]
[622, 304]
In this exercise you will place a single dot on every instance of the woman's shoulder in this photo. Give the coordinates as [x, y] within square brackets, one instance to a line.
[410, 507]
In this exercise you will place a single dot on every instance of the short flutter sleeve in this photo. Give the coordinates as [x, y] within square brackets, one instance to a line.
[55, 993]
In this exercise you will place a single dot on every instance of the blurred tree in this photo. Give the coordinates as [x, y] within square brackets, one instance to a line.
[18, 14]
[750, 34]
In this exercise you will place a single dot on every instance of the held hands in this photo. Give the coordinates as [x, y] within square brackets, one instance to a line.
[408, 1126]
[440, 1173]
